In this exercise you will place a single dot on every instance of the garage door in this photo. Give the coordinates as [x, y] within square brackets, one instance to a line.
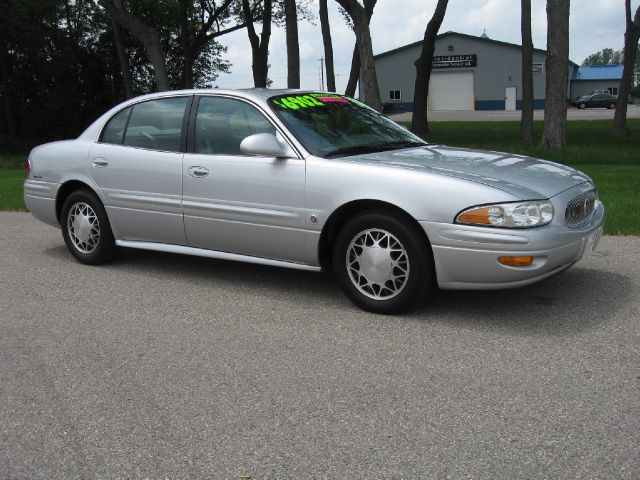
[451, 91]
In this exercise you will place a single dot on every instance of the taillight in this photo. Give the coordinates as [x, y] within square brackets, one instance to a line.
[27, 166]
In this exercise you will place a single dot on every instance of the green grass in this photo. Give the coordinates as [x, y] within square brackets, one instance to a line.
[11, 190]
[14, 162]
[589, 142]
[618, 186]
[614, 164]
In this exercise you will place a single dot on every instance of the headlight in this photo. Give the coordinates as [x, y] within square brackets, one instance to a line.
[511, 215]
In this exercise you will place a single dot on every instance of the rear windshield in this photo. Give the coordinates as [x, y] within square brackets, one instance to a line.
[330, 125]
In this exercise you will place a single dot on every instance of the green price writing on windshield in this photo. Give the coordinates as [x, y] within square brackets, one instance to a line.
[295, 103]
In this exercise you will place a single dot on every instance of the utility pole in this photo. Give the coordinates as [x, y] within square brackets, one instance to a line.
[322, 74]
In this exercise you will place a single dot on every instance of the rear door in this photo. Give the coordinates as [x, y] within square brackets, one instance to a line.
[251, 205]
[599, 100]
[138, 166]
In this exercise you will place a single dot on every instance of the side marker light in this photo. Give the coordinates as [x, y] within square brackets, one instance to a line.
[516, 261]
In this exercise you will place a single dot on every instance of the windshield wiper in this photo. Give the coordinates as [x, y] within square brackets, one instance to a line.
[356, 150]
[408, 144]
[359, 149]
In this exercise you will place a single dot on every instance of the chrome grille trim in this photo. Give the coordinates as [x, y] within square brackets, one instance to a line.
[580, 209]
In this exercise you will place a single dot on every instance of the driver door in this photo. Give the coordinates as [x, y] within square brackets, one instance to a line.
[237, 203]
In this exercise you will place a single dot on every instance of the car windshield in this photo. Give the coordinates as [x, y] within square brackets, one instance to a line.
[330, 125]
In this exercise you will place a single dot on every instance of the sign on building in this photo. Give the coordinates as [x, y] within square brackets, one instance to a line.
[455, 61]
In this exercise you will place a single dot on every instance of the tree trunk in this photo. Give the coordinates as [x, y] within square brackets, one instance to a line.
[185, 42]
[555, 111]
[259, 45]
[147, 35]
[6, 91]
[424, 65]
[526, 122]
[370, 85]
[328, 46]
[631, 37]
[123, 60]
[361, 17]
[293, 50]
[354, 73]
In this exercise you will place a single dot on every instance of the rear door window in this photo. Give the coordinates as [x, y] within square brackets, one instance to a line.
[156, 124]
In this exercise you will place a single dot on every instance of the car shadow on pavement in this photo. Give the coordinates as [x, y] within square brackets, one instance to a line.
[577, 299]
[574, 300]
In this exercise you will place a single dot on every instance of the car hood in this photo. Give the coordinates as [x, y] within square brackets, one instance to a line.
[525, 177]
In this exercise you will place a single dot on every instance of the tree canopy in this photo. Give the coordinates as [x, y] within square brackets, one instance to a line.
[59, 65]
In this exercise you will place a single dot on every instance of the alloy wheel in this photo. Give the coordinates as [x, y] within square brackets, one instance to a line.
[377, 263]
[83, 227]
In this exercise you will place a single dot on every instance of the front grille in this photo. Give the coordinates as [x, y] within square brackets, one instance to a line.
[580, 209]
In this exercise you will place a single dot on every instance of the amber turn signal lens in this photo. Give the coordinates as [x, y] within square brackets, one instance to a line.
[477, 216]
[516, 261]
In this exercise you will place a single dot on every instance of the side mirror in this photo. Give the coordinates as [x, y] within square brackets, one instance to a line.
[265, 144]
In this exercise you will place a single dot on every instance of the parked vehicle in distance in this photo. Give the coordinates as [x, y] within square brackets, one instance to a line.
[596, 92]
[596, 100]
[312, 181]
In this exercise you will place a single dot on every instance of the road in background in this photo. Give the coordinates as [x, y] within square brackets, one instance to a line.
[502, 115]
[165, 366]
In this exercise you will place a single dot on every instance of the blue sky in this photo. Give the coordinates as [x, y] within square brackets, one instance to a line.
[594, 25]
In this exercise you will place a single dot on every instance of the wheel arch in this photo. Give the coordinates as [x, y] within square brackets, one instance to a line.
[348, 210]
[66, 189]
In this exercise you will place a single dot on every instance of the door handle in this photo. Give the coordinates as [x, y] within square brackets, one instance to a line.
[197, 172]
[100, 162]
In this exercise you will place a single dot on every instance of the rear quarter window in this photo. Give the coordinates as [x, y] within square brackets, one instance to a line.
[114, 130]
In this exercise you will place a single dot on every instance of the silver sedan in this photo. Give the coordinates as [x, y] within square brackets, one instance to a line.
[313, 181]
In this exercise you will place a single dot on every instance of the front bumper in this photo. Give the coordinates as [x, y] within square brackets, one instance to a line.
[466, 257]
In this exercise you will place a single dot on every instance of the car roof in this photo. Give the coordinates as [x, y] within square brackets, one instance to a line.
[254, 93]
[258, 95]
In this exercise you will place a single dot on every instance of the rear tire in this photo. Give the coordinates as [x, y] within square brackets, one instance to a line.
[86, 230]
[611, 106]
[383, 262]
[582, 106]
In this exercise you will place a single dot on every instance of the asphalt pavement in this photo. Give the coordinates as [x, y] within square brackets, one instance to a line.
[162, 366]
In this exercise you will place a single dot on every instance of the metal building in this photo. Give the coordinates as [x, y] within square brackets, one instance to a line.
[588, 78]
[469, 73]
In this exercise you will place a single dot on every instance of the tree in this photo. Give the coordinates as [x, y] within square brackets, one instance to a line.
[200, 24]
[56, 73]
[631, 37]
[123, 60]
[369, 80]
[354, 72]
[328, 46]
[606, 56]
[293, 50]
[555, 112]
[424, 65]
[259, 45]
[526, 121]
[148, 37]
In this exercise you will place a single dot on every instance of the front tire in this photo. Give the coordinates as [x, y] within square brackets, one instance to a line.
[611, 106]
[86, 230]
[582, 106]
[383, 262]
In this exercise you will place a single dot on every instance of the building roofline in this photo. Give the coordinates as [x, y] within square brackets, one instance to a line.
[463, 35]
[617, 67]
